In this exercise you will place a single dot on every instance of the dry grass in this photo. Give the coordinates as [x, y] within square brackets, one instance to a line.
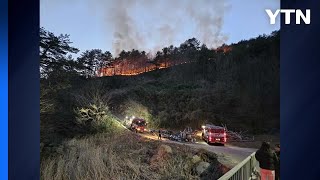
[126, 156]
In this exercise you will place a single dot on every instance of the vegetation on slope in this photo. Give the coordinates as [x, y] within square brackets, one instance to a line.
[239, 88]
[114, 157]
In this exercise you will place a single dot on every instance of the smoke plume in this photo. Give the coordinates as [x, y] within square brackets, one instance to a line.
[150, 25]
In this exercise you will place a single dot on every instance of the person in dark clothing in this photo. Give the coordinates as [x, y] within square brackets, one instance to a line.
[267, 161]
[277, 170]
[159, 137]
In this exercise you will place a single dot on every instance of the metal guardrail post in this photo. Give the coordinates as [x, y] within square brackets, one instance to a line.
[251, 168]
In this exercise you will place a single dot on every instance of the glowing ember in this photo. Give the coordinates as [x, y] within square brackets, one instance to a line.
[132, 67]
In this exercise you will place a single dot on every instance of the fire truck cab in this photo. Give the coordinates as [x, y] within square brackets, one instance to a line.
[138, 125]
[214, 134]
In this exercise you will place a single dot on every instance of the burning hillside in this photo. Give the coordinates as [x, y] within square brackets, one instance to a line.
[224, 49]
[130, 67]
[130, 64]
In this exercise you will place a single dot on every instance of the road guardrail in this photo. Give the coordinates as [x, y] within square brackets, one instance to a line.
[245, 170]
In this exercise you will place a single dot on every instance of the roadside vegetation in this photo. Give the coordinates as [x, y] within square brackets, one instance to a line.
[106, 156]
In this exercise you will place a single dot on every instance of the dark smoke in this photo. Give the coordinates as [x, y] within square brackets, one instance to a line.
[205, 16]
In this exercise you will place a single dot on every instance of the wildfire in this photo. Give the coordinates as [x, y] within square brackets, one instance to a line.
[224, 49]
[132, 67]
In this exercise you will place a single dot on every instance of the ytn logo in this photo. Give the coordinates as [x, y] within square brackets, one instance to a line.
[287, 13]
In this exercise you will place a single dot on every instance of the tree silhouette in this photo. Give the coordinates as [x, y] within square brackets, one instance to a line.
[53, 48]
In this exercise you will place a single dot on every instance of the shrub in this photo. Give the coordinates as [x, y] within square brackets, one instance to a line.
[96, 118]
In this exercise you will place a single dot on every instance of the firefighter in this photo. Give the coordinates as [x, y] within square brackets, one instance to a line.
[267, 161]
[159, 136]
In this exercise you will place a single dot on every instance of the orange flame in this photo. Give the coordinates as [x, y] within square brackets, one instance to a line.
[224, 49]
[132, 67]
[135, 67]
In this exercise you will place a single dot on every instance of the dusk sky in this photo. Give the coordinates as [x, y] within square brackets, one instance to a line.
[150, 25]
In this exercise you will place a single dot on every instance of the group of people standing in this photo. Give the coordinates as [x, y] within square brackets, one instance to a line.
[269, 161]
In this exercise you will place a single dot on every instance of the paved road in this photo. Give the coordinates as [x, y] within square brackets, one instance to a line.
[227, 155]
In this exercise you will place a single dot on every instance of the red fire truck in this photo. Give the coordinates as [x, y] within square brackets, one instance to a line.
[138, 125]
[214, 134]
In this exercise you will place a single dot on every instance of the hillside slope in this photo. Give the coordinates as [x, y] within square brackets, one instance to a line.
[239, 89]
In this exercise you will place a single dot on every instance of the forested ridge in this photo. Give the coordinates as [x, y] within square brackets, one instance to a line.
[238, 88]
